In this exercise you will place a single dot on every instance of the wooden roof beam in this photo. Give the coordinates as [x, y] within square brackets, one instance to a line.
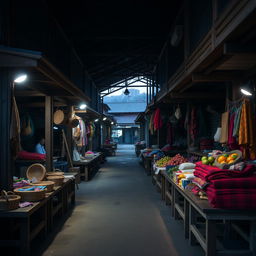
[215, 77]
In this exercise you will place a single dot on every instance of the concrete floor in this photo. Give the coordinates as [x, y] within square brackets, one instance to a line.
[119, 213]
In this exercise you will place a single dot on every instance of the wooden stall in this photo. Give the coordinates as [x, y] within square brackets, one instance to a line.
[211, 228]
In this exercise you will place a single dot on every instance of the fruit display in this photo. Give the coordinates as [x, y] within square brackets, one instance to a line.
[208, 160]
[177, 159]
[227, 158]
[163, 161]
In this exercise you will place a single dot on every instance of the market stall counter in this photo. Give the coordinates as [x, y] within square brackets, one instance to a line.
[212, 228]
[89, 166]
[24, 224]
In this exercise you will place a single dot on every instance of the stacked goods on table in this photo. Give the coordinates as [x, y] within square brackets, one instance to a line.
[232, 188]
[163, 162]
[177, 159]
[32, 189]
[184, 174]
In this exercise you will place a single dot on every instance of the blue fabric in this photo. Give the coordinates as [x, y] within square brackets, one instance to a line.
[40, 149]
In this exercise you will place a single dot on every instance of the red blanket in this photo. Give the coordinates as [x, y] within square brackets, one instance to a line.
[232, 198]
[242, 182]
[30, 156]
[210, 173]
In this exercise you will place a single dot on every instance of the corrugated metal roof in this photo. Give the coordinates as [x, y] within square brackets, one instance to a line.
[126, 119]
[131, 107]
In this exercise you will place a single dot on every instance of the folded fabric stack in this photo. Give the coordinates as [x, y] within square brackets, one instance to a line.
[228, 189]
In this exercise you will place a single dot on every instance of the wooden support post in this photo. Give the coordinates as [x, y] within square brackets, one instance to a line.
[69, 135]
[210, 238]
[5, 110]
[49, 132]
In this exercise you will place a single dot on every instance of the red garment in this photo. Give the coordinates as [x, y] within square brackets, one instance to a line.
[232, 198]
[210, 173]
[30, 156]
[234, 183]
[158, 123]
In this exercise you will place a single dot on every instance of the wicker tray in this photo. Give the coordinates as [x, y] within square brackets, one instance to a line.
[49, 185]
[37, 171]
[57, 172]
[30, 196]
[58, 180]
[226, 166]
[9, 201]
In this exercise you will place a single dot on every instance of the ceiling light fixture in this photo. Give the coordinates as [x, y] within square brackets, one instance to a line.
[83, 106]
[20, 78]
[246, 92]
[112, 123]
[104, 119]
[96, 120]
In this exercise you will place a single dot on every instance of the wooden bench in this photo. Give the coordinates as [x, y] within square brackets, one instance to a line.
[204, 224]
[24, 224]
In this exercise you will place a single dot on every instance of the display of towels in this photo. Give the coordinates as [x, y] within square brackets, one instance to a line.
[227, 189]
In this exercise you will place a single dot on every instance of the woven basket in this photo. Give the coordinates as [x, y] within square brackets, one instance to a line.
[49, 185]
[56, 173]
[58, 180]
[59, 117]
[9, 201]
[37, 171]
[30, 196]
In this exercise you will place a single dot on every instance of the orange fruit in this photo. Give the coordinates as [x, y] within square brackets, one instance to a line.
[229, 158]
[234, 155]
[221, 159]
[231, 161]
[223, 162]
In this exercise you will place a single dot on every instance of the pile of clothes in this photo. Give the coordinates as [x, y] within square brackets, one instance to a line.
[227, 189]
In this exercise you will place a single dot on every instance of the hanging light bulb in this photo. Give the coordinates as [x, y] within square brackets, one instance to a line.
[83, 106]
[126, 92]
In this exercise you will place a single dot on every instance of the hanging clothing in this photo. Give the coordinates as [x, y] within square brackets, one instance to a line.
[224, 127]
[15, 129]
[158, 123]
[237, 121]
[232, 143]
[151, 123]
[247, 131]
[193, 124]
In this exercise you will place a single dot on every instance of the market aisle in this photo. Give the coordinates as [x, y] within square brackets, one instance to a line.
[119, 213]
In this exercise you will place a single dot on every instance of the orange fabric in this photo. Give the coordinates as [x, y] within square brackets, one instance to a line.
[246, 137]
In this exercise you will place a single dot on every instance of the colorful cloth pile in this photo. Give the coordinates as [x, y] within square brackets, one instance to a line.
[228, 189]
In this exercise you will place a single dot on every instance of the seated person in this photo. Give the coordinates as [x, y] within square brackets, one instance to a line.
[40, 146]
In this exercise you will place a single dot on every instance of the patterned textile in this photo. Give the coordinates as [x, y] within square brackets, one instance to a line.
[209, 173]
[232, 198]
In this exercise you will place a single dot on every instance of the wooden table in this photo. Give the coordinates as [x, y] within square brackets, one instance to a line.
[204, 224]
[24, 224]
[89, 166]
[110, 147]
[147, 162]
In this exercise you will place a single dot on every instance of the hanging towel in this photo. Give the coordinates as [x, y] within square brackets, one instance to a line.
[158, 123]
[247, 131]
[224, 127]
[151, 123]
